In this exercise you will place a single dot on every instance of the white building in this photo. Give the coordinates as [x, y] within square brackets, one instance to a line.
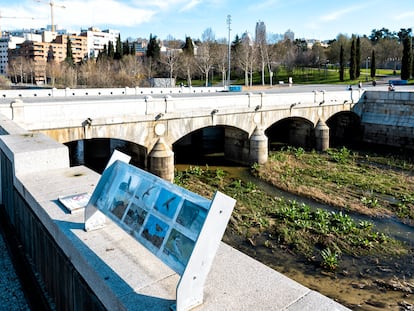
[9, 42]
[97, 39]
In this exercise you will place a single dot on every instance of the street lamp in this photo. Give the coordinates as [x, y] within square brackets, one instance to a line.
[326, 68]
[229, 51]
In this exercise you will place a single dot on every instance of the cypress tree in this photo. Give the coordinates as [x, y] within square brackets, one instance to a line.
[69, 55]
[352, 62]
[153, 48]
[406, 59]
[373, 65]
[358, 58]
[341, 64]
[188, 48]
[111, 50]
[118, 48]
[125, 48]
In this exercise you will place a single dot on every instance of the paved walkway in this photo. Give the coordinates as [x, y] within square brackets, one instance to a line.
[11, 293]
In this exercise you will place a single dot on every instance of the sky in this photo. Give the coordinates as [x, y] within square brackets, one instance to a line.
[310, 19]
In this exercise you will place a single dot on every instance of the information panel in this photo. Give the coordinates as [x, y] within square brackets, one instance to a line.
[180, 227]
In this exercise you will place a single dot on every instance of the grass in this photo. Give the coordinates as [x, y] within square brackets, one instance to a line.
[362, 183]
[319, 236]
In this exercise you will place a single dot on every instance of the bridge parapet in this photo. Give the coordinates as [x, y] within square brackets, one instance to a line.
[68, 92]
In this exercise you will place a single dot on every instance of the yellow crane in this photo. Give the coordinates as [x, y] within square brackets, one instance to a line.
[12, 17]
[52, 5]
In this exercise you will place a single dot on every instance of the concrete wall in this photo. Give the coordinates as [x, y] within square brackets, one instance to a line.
[387, 118]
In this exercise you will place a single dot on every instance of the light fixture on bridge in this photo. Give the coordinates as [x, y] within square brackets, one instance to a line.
[257, 107]
[159, 116]
[214, 111]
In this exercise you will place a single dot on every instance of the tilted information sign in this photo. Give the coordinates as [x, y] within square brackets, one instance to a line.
[180, 227]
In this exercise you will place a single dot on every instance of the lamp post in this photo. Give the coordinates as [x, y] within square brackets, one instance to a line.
[229, 50]
[326, 68]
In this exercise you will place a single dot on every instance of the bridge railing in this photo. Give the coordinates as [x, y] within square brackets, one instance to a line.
[68, 92]
[106, 110]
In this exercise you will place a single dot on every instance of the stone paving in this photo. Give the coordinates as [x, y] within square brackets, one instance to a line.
[11, 293]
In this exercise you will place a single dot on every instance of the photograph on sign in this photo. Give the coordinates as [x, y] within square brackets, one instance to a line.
[123, 195]
[167, 203]
[191, 216]
[135, 217]
[179, 247]
[155, 231]
[147, 193]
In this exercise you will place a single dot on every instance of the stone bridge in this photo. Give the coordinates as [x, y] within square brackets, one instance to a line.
[157, 121]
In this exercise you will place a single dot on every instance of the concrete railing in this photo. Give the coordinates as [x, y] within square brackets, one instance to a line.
[68, 92]
[105, 269]
[57, 113]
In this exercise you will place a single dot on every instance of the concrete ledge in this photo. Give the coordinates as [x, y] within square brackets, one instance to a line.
[124, 275]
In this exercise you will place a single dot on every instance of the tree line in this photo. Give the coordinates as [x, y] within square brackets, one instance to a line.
[117, 65]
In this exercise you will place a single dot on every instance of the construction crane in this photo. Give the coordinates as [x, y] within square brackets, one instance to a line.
[12, 17]
[52, 5]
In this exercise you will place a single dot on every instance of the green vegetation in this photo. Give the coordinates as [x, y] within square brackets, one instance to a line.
[362, 183]
[320, 236]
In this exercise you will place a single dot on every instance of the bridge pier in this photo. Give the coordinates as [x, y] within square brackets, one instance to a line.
[259, 148]
[161, 160]
[321, 135]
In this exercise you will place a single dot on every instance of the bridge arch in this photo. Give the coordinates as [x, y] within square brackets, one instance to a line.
[212, 144]
[345, 129]
[294, 131]
[95, 152]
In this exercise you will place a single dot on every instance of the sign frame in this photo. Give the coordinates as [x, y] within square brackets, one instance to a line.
[180, 227]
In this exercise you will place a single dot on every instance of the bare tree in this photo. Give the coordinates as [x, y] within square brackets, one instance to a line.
[261, 45]
[220, 58]
[172, 57]
[187, 59]
[134, 68]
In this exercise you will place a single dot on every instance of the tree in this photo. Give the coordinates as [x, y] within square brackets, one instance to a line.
[221, 58]
[341, 64]
[171, 58]
[406, 59]
[358, 58]
[103, 54]
[111, 49]
[205, 54]
[373, 65]
[187, 58]
[126, 49]
[153, 54]
[118, 48]
[69, 55]
[352, 61]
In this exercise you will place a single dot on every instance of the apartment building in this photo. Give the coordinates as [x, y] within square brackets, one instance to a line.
[9, 41]
[34, 56]
[97, 39]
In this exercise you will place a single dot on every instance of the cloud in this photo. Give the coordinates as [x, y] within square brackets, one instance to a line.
[335, 15]
[77, 14]
[190, 5]
[404, 15]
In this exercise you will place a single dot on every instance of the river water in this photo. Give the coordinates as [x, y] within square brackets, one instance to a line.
[365, 283]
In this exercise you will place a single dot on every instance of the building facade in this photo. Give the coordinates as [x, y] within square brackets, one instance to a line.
[97, 39]
[33, 57]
